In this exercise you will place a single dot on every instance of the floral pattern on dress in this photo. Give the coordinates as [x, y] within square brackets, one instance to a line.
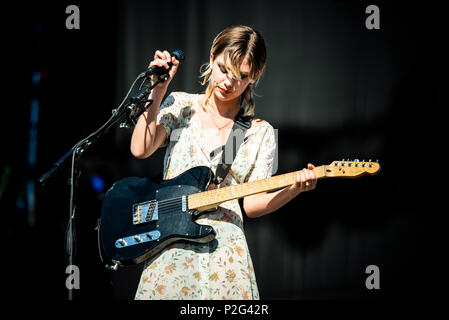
[221, 269]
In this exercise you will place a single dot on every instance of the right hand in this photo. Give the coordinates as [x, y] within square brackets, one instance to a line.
[161, 59]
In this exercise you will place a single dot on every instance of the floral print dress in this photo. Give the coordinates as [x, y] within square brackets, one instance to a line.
[221, 269]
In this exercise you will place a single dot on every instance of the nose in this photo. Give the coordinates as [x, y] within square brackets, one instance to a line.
[229, 81]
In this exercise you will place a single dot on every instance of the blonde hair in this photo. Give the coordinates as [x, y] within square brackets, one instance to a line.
[236, 43]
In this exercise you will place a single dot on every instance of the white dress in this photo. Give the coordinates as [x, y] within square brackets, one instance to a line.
[221, 269]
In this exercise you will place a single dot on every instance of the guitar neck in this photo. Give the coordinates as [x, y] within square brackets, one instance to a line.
[211, 198]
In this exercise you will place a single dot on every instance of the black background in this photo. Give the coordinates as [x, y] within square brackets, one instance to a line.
[332, 88]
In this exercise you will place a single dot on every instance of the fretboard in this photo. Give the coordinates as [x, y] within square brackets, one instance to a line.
[212, 198]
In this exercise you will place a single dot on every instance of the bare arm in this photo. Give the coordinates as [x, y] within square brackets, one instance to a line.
[147, 136]
[264, 203]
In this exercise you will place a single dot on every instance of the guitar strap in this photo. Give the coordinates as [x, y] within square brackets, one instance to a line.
[235, 139]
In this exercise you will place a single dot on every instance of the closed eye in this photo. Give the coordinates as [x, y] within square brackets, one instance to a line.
[222, 69]
[225, 71]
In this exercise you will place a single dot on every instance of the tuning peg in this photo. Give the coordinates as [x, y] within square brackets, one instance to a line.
[369, 160]
[356, 160]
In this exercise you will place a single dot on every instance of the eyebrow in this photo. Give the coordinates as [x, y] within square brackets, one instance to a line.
[243, 74]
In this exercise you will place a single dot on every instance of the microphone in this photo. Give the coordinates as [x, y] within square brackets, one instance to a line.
[178, 54]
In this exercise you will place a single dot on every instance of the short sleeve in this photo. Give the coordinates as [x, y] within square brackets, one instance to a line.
[266, 161]
[171, 114]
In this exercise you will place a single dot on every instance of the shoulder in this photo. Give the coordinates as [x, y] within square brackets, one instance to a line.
[184, 97]
[260, 126]
[176, 97]
[179, 101]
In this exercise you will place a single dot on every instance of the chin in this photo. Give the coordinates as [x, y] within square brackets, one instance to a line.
[224, 97]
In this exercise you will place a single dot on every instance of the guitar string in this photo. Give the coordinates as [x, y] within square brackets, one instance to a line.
[204, 195]
[167, 203]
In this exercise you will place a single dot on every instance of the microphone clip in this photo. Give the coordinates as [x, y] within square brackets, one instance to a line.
[139, 103]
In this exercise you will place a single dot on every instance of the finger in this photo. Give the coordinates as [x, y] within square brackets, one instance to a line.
[174, 61]
[159, 54]
[172, 71]
[159, 63]
[312, 174]
[174, 68]
[167, 56]
[302, 181]
[302, 177]
[308, 179]
[313, 179]
[307, 174]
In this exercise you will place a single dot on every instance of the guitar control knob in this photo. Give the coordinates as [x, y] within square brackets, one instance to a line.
[122, 242]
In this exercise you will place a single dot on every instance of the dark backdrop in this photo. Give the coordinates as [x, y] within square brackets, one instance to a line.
[332, 88]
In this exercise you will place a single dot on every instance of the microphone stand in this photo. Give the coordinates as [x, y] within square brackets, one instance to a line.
[132, 110]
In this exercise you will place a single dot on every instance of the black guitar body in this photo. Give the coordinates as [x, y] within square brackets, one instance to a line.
[139, 218]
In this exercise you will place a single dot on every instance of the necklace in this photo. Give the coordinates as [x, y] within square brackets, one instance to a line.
[218, 128]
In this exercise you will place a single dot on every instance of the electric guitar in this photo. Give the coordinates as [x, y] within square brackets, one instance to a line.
[139, 218]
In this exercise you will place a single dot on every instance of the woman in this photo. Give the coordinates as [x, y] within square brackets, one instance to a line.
[194, 127]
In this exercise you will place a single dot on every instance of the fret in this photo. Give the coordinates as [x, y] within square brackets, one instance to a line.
[220, 195]
[207, 197]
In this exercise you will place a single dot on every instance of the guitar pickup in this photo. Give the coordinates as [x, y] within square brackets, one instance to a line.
[145, 212]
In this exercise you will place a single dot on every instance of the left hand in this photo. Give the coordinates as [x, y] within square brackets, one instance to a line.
[305, 180]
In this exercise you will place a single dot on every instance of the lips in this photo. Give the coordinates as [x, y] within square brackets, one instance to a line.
[223, 91]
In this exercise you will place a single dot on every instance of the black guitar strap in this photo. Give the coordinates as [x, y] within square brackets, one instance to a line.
[235, 139]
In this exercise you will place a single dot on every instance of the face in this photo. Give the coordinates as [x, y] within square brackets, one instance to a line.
[226, 87]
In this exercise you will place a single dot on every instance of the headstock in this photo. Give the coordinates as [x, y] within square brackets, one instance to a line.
[352, 168]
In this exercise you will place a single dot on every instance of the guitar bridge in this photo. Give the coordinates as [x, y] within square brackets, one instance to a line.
[145, 212]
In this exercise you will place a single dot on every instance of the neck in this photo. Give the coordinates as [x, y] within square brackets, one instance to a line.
[212, 198]
[226, 109]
